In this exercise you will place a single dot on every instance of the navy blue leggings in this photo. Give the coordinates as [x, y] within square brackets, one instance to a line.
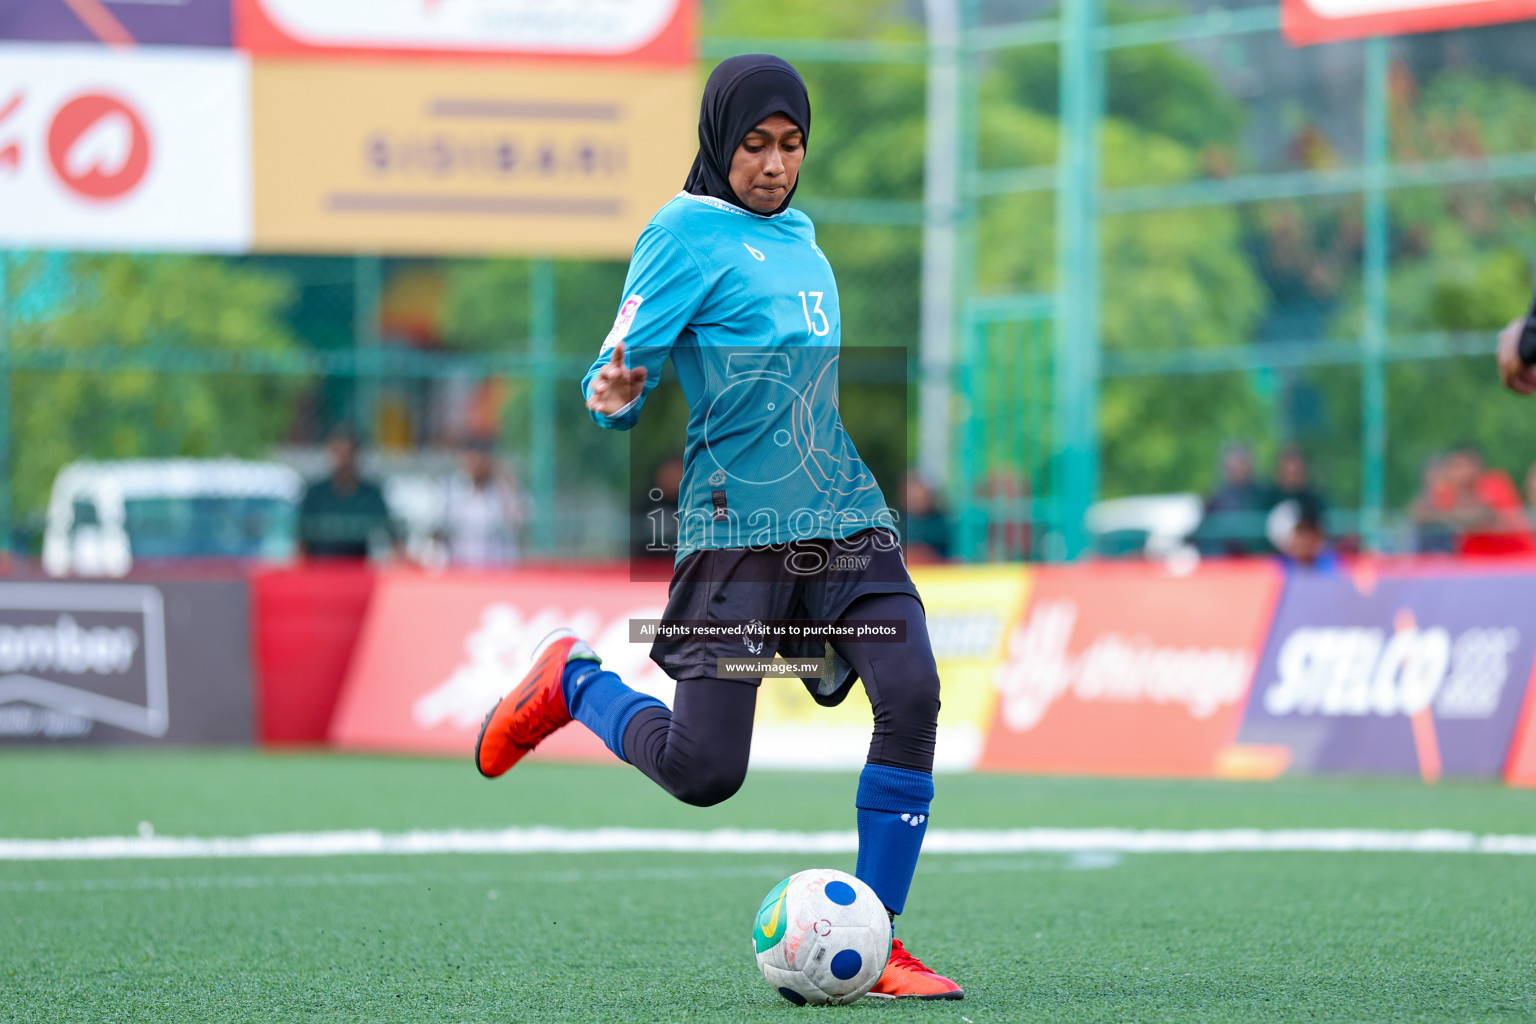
[698, 750]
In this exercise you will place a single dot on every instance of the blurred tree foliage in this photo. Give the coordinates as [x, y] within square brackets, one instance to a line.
[1173, 279]
[142, 304]
[865, 144]
[1203, 278]
[1461, 262]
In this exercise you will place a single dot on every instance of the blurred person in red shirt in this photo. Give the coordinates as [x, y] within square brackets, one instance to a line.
[1481, 505]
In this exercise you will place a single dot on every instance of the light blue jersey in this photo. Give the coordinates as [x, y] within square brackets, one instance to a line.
[746, 306]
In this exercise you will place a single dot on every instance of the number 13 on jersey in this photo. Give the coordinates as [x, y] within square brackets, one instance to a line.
[815, 320]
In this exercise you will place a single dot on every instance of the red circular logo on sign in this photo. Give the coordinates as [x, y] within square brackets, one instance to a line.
[98, 146]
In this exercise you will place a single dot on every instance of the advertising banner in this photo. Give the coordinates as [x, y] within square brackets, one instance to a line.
[437, 652]
[970, 610]
[450, 159]
[1416, 675]
[125, 663]
[132, 150]
[1324, 21]
[307, 622]
[1126, 669]
[651, 31]
[118, 22]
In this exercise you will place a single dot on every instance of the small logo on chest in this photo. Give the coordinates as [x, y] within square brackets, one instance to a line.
[755, 254]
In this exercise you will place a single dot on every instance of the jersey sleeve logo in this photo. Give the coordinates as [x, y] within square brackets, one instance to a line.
[622, 322]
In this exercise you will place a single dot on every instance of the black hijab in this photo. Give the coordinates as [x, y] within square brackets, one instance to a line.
[740, 93]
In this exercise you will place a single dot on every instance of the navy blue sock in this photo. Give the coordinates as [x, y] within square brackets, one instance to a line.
[893, 817]
[599, 700]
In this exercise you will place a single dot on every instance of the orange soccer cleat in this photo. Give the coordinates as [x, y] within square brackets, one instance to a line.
[905, 977]
[535, 708]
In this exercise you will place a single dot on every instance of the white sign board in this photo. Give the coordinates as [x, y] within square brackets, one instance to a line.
[587, 27]
[146, 149]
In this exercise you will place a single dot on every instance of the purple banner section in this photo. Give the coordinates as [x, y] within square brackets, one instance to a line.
[125, 663]
[121, 22]
[1419, 675]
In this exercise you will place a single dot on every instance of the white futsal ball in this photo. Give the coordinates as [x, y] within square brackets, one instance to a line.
[821, 936]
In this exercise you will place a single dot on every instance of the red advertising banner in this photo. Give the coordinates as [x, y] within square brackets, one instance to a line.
[307, 621]
[1124, 669]
[641, 31]
[1306, 22]
[437, 652]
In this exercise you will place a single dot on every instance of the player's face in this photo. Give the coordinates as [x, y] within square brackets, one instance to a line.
[766, 164]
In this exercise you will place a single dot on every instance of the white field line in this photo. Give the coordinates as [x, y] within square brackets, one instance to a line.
[570, 876]
[612, 840]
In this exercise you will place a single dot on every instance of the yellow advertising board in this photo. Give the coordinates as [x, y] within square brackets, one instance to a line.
[970, 609]
[412, 158]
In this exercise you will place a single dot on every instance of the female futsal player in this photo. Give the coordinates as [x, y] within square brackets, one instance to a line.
[779, 519]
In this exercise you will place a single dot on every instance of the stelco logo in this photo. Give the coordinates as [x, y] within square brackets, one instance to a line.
[1341, 671]
[1112, 668]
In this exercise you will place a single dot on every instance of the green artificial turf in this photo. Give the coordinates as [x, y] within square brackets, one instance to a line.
[649, 937]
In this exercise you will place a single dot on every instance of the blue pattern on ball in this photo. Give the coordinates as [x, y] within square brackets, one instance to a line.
[841, 893]
[792, 996]
[847, 963]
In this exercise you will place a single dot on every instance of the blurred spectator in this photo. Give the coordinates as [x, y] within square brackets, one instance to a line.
[1010, 527]
[1480, 507]
[928, 536]
[482, 511]
[654, 525]
[1293, 482]
[669, 481]
[341, 514]
[1234, 515]
[1303, 543]
[1434, 530]
[1503, 530]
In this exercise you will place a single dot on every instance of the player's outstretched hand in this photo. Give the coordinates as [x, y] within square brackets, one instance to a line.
[1518, 377]
[616, 385]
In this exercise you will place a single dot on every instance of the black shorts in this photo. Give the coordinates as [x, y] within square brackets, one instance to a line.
[811, 580]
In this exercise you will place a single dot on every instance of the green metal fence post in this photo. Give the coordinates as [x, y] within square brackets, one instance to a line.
[969, 466]
[1076, 391]
[1373, 384]
[541, 346]
[367, 299]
